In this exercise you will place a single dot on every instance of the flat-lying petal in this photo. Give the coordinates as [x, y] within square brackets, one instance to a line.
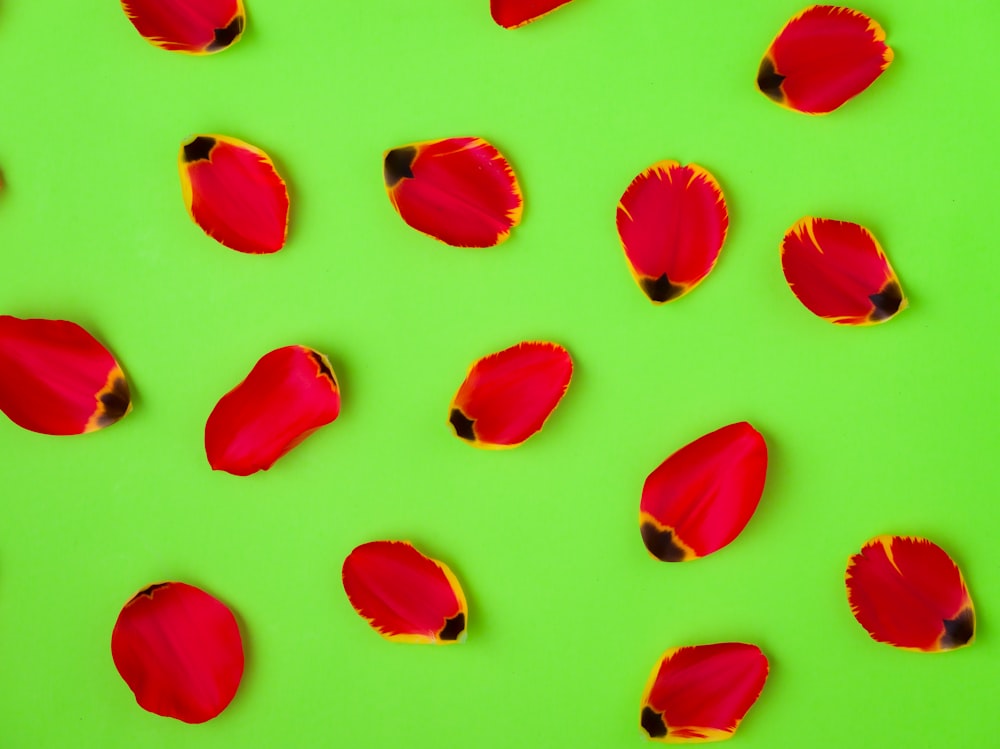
[290, 393]
[179, 650]
[822, 57]
[507, 396]
[461, 191]
[197, 27]
[909, 593]
[840, 273]
[672, 221]
[56, 378]
[405, 595]
[702, 496]
[513, 13]
[234, 193]
[702, 692]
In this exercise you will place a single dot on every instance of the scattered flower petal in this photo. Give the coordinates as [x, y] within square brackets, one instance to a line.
[198, 27]
[513, 13]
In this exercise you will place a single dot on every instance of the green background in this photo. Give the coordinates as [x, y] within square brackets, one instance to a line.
[889, 429]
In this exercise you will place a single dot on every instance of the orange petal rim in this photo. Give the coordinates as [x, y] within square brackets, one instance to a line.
[507, 396]
[405, 595]
[197, 27]
[514, 13]
[908, 592]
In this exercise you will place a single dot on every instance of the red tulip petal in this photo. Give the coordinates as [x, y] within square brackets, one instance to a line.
[405, 595]
[198, 27]
[838, 271]
[513, 13]
[823, 57]
[909, 593]
[55, 378]
[507, 396]
[179, 650]
[290, 393]
[461, 191]
[702, 692]
[701, 497]
[672, 221]
[233, 192]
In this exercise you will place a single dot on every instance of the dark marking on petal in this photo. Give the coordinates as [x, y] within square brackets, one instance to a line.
[886, 302]
[453, 628]
[769, 82]
[661, 543]
[228, 35]
[660, 289]
[652, 723]
[148, 591]
[958, 631]
[464, 426]
[198, 149]
[398, 163]
[324, 368]
[115, 402]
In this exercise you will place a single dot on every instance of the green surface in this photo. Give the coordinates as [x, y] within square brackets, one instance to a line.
[890, 429]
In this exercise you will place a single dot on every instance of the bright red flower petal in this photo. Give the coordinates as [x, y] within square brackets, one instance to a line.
[198, 27]
[56, 378]
[701, 497]
[290, 393]
[507, 396]
[840, 273]
[461, 191]
[513, 13]
[672, 221]
[702, 692]
[909, 593]
[405, 595]
[823, 57]
[179, 650]
[234, 193]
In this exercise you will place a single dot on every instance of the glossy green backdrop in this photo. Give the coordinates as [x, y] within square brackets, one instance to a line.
[890, 429]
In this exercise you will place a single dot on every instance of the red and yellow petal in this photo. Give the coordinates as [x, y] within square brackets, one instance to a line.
[702, 692]
[823, 57]
[909, 593]
[56, 378]
[290, 393]
[234, 193]
[672, 221]
[179, 650]
[507, 396]
[405, 595]
[701, 497]
[461, 191]
[197, 27]
[838, 270]
[513, 13]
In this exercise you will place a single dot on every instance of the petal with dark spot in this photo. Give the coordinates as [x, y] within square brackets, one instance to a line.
[514, 13]
[197, 27]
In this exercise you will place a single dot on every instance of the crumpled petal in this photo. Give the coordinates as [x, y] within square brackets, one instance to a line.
[514, 13]
[198, 27]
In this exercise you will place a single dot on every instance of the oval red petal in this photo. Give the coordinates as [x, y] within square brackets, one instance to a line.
[405, 595]
[701, 497]
[197, 27]
[839, 272]
[909, 593]
[702, 692]
[513, 13]
[507, 396]
[56, 378]
[461, 191]
[672, 222]
[179, 650]
[234, 193]
[823, 57]
[288, 395]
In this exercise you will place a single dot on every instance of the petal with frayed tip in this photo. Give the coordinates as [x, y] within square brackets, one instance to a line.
[514, 13]
[197, 27]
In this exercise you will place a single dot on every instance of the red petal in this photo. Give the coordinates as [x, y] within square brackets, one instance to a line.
[288, 395]
[199, 27]
[405, 595]
[461, 191]
[513, 13]
[701, 497]
[233, 192]
[823, 57]
[507, 396]
[702, 692]
[672, 221]
[838, 271]
[909, 593]
[55, 378]
[179, 650]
